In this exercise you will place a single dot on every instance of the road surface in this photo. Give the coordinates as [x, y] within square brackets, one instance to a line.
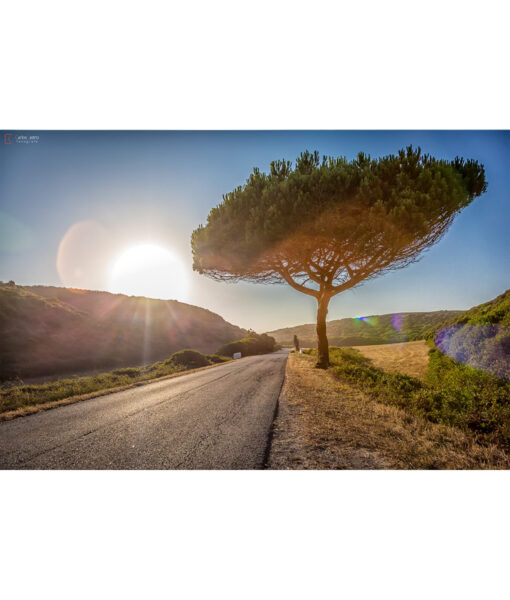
[218, 418]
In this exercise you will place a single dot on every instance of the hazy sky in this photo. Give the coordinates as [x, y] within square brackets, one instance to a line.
[74, 202]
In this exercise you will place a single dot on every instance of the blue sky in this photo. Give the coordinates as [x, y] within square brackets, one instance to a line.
[156, 187]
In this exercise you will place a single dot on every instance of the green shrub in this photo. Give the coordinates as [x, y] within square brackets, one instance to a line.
[472, 397]
[190, 359]
[254, 344]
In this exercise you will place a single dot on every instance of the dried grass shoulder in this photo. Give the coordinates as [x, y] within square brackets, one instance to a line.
[324, 423]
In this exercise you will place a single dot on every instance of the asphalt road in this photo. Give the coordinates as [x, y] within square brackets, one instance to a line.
[219, 418]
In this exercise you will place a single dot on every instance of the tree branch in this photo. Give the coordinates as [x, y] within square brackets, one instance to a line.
[297, 286]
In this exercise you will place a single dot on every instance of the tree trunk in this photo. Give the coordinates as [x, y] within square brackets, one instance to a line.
[322, 338]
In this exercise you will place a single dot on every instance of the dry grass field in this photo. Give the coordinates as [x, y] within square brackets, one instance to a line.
[410, 358]
[323, 423]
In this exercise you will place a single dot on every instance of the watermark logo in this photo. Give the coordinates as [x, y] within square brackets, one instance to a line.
[14, 138]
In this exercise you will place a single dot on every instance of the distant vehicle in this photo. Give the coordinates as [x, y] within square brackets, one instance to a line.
[236, 355]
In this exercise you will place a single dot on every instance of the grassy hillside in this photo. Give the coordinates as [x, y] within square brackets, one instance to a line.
[376, 329]
[50, 330]
[479, 337]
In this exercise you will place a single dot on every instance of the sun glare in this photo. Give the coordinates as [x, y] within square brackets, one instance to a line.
[151, 271]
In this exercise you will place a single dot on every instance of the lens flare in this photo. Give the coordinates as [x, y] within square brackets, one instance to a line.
[369, 320]
[397, 321]
[81, 256]
[481, 346]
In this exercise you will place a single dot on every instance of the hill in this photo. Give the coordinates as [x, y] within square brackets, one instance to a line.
[479, 337]
[51, 330]
[375, 329]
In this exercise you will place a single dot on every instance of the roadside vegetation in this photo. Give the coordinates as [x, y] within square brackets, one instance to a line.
[253, 344]
[15, 395]
[325, 421]
[451, 393]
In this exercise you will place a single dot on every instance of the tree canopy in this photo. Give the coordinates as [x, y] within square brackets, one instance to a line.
[326, 225]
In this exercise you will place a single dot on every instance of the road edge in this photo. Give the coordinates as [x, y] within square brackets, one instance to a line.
[269, 443]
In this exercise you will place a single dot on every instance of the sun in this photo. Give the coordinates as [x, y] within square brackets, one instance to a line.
[149, 270]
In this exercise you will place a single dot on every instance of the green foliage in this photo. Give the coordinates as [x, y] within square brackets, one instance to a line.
[190, 359]
[474, 398]
[332, 220]
[248, 346]
[453, 394]
[374, 329]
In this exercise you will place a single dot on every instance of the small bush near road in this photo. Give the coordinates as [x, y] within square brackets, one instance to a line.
[190, 359]
[248, 346]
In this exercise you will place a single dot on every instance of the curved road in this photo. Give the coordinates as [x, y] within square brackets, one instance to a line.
[219, 418]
